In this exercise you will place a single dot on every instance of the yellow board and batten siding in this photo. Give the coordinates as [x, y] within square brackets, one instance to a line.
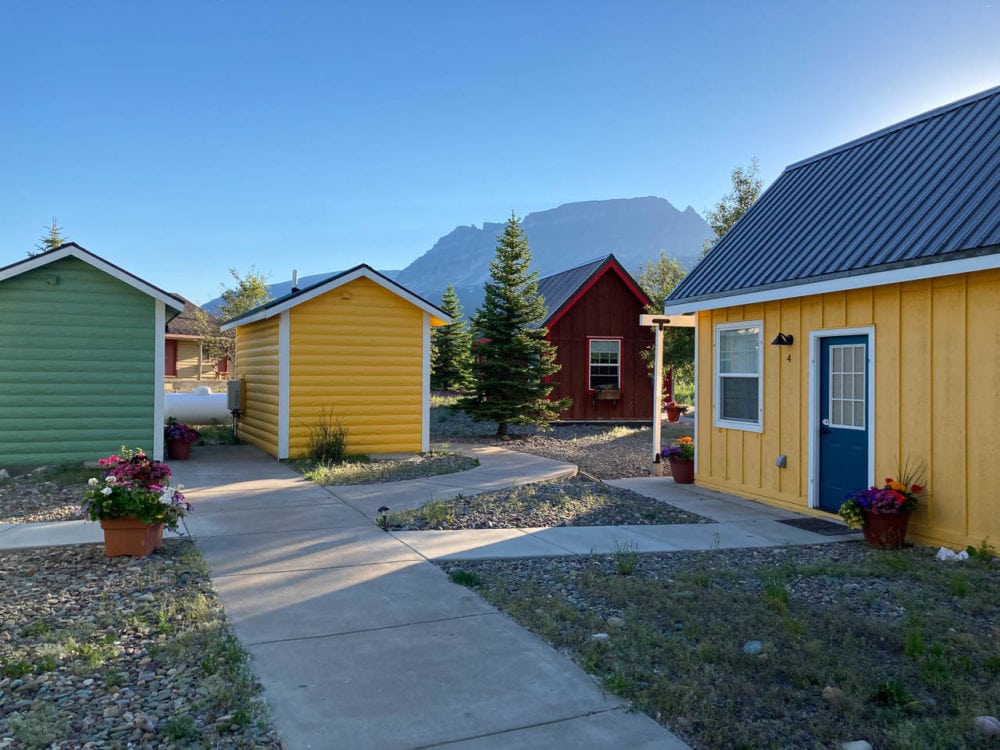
[937, 399]
[356, 355]
[257, 358]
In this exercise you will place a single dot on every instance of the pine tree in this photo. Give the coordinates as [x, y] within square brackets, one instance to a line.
[50, 240]
[513, 359]
[451, 358]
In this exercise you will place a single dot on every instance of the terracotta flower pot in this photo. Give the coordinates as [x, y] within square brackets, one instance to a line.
[130, 537]
[178, 450]
[682, 470]
[673, 415]
[885, 531]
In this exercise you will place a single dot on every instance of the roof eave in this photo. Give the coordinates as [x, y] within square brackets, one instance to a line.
[981, 259]
[71, 249]
[276, 307]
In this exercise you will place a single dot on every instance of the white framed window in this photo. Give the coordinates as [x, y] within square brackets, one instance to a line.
[739, 381]
[605, 363]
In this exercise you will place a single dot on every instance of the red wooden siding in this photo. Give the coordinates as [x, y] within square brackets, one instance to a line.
[607, 309]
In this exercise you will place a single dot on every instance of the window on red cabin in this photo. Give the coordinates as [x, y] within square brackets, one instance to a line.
[605, 364]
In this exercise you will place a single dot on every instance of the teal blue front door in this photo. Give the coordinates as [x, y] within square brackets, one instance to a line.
[843, 427]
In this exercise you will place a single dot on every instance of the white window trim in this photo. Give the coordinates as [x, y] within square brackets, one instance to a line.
[717, 418]
[616, 339]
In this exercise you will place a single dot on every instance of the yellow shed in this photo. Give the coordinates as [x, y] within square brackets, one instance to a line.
[849, 322]
[355, 348]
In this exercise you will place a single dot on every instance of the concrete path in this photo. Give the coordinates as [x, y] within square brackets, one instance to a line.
[360, 642]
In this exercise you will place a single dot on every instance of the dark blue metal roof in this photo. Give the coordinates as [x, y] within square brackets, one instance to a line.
[559, 288]
[921, 191]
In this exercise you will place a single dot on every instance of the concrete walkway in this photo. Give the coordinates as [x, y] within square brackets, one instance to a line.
[360, 642]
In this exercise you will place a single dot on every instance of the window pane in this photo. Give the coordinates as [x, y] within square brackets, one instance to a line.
[739, 350]
[859, 414]
[604, 361]
[838, 360]
[739, 399]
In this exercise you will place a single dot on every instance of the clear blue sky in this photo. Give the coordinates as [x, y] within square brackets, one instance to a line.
[179, 139]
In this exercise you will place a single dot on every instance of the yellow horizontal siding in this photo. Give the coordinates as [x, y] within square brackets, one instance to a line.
[937, 399]
[357, 355]
[257, 366]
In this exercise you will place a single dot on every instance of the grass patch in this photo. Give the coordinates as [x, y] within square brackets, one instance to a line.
[363, 470]
[914, 663]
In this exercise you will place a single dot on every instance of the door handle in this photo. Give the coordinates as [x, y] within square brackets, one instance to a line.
[824, 426]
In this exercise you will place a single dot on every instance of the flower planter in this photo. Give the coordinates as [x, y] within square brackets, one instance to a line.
[885, 531]
[682, 470]
[674, 415]
[178, 450]
[130, 537]
[608, 395]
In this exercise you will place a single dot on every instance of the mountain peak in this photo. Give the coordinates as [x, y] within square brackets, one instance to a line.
[634, 229]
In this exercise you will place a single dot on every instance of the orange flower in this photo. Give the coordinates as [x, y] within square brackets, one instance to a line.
[893, 484]
[686, 439]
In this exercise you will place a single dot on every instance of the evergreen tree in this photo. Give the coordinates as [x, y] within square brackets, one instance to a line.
[52, 239]
[451, 354]
[513, 359]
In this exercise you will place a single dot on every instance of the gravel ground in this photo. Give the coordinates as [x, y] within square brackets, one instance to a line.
[574, 502]
[102, 652]
[28, 501]
[600, 451]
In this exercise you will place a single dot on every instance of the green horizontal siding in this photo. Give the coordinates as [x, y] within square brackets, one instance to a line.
[77, 370]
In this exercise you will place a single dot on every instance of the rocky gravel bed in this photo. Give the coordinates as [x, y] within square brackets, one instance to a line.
[573, 502]
[600, 451]
[102, 652]
[29, 501]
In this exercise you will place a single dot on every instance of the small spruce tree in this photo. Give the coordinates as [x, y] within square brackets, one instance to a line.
[513, 359]
[451, 358]
[52, 239]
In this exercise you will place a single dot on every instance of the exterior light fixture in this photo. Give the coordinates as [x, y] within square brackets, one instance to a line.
[384, 520]
[783, 339]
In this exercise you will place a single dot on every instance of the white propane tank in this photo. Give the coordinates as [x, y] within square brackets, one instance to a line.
[199, 407]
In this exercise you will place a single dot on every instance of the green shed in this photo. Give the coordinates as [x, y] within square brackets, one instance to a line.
[81, 369]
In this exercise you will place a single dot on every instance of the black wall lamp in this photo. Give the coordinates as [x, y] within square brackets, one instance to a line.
[783, 339]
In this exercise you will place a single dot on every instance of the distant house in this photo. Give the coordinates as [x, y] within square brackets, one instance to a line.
[184, 352]
[849, 323]
[81, 370]
[354, 347]
[593, 319]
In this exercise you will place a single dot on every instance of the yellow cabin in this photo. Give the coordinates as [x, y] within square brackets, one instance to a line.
[849, 323]
[354, 348]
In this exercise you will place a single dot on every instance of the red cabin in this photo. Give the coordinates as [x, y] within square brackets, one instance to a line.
[593, 320]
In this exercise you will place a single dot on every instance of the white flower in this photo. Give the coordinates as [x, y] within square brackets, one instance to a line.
[106, 491]
[110, 480]
[168, 495]
[92, 481]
